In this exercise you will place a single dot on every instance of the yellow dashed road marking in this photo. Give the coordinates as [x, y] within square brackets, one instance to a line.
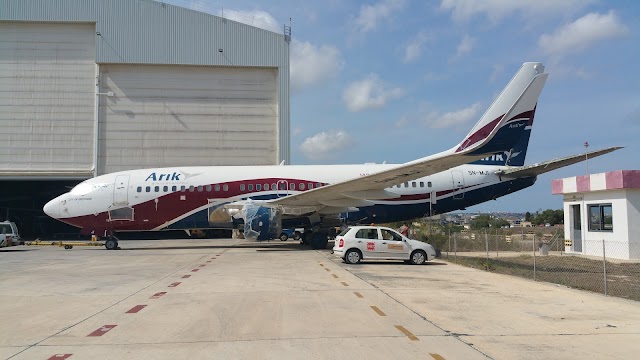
[321, 264]
[358, 294]
[327, 269]
[344, 283]
[406, 332]
[375, 308]
[334, 275]
[436, 356]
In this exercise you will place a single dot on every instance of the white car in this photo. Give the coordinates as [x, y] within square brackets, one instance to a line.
[376, 242]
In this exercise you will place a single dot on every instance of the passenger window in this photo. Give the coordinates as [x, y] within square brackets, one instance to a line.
[174, 188]
[191, 188]
[156, 189]
[225, 187]
[208, 187]
[406, 184]
[241, 187]
[216, 188]
[429, 184]
[310, 186]
[258, 187]
[148, 189]
[413, 184]
[266, 186]
[165, 188]
[318, 185]
[200, 188]
[292, 186]
[421, 183]
[250, 187]
[182, 188]
[301, 186]
[273, 186]
[139, 189]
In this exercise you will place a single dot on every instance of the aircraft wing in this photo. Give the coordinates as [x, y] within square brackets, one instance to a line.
[546, 166]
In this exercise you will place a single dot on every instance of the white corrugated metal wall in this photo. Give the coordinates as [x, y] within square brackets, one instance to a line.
[47, 94]
[187, 115]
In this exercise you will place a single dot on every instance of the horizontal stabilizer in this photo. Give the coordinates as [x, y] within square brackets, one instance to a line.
[546, 166]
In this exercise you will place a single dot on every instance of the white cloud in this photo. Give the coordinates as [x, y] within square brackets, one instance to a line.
[414, 48]
[257, 18]
[370, 15]
[496, 10]
[312, 64]
[582, 33]
[466, 45]
[453, 119]
[498, 69]
[369, 93]
[325, 144]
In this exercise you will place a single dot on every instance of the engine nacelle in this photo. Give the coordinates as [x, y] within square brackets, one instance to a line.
[261, 222]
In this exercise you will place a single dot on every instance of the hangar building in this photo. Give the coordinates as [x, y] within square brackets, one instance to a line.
[89, 87]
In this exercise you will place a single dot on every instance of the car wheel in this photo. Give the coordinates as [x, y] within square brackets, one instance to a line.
[418, 257]
[296, 235]
[352, 256]
[111, 244]
[284, 237]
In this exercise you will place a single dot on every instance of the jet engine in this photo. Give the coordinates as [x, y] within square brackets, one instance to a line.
[261, 222]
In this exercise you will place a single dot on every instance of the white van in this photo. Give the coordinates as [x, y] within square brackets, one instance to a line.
[9, 228]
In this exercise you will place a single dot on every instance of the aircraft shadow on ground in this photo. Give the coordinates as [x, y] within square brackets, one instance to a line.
[257, 246]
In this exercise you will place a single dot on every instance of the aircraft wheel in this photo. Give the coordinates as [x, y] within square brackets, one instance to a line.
[297, 235]
[111, 244]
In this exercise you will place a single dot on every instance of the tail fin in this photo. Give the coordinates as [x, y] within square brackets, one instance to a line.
[517, 155]
[504, 125]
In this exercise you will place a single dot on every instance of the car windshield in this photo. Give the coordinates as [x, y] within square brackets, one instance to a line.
[5, 229]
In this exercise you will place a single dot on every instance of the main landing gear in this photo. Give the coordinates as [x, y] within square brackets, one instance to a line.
[111, 243]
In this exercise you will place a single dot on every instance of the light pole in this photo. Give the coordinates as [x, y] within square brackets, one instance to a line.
[586, 155]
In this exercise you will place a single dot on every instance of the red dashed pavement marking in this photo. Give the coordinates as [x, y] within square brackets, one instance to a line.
[186, 276]
[174, 284]
[208, 261]
[103, 330]
[136, 308]
[203, 265]
[157, 295]
[195, 270]
[59, 356]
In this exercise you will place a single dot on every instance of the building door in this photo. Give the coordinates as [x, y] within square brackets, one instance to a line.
[121, 190]
[576, 228]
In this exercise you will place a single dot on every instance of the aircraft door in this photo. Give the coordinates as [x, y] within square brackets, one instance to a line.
[458, 183]
[121, 191]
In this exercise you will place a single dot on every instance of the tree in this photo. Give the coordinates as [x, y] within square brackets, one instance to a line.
[527, 216]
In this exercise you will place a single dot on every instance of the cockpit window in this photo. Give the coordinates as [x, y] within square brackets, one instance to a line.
[82, 189]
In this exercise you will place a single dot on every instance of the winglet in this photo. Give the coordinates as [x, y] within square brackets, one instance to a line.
[501, 126]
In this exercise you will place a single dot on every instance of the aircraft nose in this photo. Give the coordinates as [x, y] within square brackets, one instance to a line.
[52, 208]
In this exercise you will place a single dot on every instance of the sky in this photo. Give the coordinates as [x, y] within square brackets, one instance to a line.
[396, 80]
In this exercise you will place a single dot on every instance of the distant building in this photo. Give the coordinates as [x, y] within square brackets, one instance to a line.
[599, 207]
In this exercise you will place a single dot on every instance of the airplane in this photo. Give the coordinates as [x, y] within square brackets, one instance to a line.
[260, 200]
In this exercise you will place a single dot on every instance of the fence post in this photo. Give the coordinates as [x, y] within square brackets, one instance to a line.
[533, 243]
[496, 243]
[455, 248]
[604, 267]
[449, 231]
[486, 247]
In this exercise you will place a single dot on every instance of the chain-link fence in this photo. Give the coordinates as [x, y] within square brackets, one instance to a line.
[542, 257]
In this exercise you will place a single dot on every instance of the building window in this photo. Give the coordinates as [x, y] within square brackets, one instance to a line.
[600, 217]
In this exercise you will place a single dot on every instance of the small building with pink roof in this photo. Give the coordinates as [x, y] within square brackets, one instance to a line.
[602, 209]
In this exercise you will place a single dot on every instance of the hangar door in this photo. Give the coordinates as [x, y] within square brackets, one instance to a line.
[162, 116]
[47, 97]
